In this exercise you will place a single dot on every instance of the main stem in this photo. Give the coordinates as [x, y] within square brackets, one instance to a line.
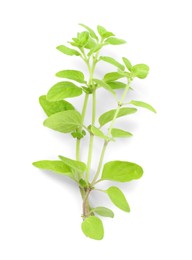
[109, 133]
[90, 151]
[78, 142]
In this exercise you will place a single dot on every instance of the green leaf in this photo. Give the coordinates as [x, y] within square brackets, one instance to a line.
[63, 90]
[76, 43]
[87, 90]
[103, 84]
[71, 74]
[91, 44]
[112, 61]
[64, 122]
[109, 115]
[97, 48]
[140, 71]
[91, 32]
[83, 38]
[112, 76]
[104, 212]
[77, 166]
[103, 32]
[51, 108]
[92, 227]
[127, 63]
[121, 171]
[143, 104]
[82, 183]
[78, 134]
[55, 166]
[67, 51]
[107, 35]
[115, 132]
[118, 198]
[116, 84]
[96, 131]
[114, 41]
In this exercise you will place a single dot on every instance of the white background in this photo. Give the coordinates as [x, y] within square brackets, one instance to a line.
[40, 212]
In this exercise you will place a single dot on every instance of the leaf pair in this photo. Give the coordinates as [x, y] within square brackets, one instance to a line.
[66, 89]
[114, 133]
[81, 40]
[139, 70]
[68, 167]
[105, 35]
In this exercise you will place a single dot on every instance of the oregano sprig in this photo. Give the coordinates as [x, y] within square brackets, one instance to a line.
[63, 117]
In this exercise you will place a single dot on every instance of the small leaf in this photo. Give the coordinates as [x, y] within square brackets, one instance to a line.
[76, 43]
[143, 104]
[121, 171]
[73, 164]
[115, 132]
[67, 51]
[103, 32]
[71, 74]
[92, 227]
[112, 76]
[55, 166]
[87, 90]
[64, 122]
[51, 108]
[107, 35]
[116, 84]
[91, 44]
[140, 71]
[63, 90]
[79, 134]
[109, 115]
[96, 49]
[83, 38]
[127, 63]
[112, 61]
[114, 41]
[103, 84]
[118, 198]
[91, 32]
[96, 131]
[104, 212]
[82, 183]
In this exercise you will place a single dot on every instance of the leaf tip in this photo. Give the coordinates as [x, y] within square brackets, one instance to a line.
[34, 164]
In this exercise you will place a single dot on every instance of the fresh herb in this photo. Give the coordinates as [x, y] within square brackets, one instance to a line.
[63, 117]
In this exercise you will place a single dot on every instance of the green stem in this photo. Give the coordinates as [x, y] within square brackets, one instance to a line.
[118, 108]
[90, 151]
[91, 72]
[78, 142]
[93, 107]
[100, 162]
[109, 134]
